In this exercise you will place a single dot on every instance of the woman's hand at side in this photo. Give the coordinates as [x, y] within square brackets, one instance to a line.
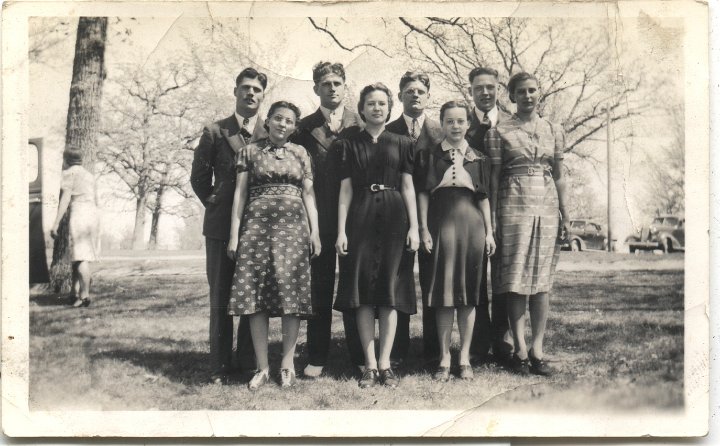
[231, 249]
[412, 242]
[426, 241]
[341, 245]
[315, 245]
[490, 246]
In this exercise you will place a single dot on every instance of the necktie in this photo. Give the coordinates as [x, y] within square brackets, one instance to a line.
[414, 130]
[486, 120]
[244, 131]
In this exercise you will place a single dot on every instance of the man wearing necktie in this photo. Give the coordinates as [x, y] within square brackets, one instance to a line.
[316, 133]
[213, 181]
[487, 334]
[425, 132]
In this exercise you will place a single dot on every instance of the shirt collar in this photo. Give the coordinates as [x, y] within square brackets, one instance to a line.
[409, 120]
[492, 115]
[251, 121]
[464, 150]
[332, 114]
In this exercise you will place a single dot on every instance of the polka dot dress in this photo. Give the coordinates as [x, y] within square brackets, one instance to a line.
[272, 272]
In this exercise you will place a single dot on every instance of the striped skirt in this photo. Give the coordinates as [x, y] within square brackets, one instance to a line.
[528, 222]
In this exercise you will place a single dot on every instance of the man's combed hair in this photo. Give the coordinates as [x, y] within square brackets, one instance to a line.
[413, 76]
[477, 71]
[252, 73]
[323, 68]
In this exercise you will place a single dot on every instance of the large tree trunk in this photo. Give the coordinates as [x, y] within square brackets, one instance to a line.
[82, 122]
[139, 229]
[157, 210]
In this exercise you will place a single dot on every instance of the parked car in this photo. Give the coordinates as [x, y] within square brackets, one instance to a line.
[666, 232]
[585, 234]
[38, 259]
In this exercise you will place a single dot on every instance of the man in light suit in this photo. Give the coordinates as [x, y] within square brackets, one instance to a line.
[486, 115]
[213, 180]
[426, 133]
[316, 133]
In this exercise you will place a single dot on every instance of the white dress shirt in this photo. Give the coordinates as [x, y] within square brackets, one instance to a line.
[409, 120]
[492, 115]
[250, 127]
[333, 117]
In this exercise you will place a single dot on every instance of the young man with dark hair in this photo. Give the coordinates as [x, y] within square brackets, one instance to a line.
[426, 133]
[486, 114]
[316, 133]
[213, 181]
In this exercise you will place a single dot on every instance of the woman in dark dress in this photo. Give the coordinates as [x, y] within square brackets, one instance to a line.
[270, 239]
[377, 231]
[452, 181]
[526, 154]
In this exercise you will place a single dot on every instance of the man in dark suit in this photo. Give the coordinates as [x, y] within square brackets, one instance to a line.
[213, 180]
[487, 334]
[316, 133]
[426, 133]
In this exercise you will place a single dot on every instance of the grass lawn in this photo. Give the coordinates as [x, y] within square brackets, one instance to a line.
[615, 336]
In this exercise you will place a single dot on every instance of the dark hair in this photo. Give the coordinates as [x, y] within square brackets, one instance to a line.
[282, 104]
[251, 73]
[477, 71]
[323, 68]
[455, 104]
[377, 86]
[412, 76]
[516, 79]
[73, 156]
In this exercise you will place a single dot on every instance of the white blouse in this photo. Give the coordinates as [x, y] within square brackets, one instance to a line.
[456, 175]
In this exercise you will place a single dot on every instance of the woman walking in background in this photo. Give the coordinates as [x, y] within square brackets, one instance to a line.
[528, 189]
[78, 193]
[270, 240]
[377, 231]
[452, 182]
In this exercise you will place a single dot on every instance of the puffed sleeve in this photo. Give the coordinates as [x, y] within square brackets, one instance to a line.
[559, 134]
[244, 160]
[306, 163]
[420, 173]
[67, 182]
[407, 158]
[493, 144]
[342, 149]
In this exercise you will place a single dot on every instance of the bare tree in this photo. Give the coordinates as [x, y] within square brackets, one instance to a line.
[148, 137]
[574, 63]
[83, 121]
[665, 166]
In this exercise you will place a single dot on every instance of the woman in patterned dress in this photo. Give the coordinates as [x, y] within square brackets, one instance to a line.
[77, 191]
[528, 201]
[269, 239]
[452, 183]
[377, 231]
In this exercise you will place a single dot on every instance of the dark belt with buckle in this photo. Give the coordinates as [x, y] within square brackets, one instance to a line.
[379, 188]
[528, 171]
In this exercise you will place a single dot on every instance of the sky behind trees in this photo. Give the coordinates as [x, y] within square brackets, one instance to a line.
[215, 50]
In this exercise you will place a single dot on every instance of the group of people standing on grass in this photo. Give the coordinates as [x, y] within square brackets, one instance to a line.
[286, 197]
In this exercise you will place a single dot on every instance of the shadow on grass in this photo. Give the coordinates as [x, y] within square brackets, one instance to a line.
[52, 300]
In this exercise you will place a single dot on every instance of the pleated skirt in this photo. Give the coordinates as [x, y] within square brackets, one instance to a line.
[453, 276]
[527, 235]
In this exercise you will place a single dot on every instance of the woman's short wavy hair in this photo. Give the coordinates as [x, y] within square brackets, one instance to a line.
[377, 86]
[515, 80]
[283, 104]
[455, 104]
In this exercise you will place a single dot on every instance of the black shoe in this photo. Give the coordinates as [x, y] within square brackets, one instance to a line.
[369, 378]
[503, 359]
[538, 366]
[388, 378]
[519, 366]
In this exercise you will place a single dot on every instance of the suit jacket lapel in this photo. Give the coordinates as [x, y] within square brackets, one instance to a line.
[474, 126]
[349, 118]
[430, 133]
[229, 129]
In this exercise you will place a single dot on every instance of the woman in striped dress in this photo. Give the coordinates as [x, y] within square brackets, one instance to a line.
[527, 201]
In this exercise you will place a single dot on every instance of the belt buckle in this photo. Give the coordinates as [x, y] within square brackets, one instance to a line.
[531, 170]
[375, 187]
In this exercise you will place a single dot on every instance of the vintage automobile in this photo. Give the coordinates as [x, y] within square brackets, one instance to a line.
[38, 259]
[584, 234]
[666, 232]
